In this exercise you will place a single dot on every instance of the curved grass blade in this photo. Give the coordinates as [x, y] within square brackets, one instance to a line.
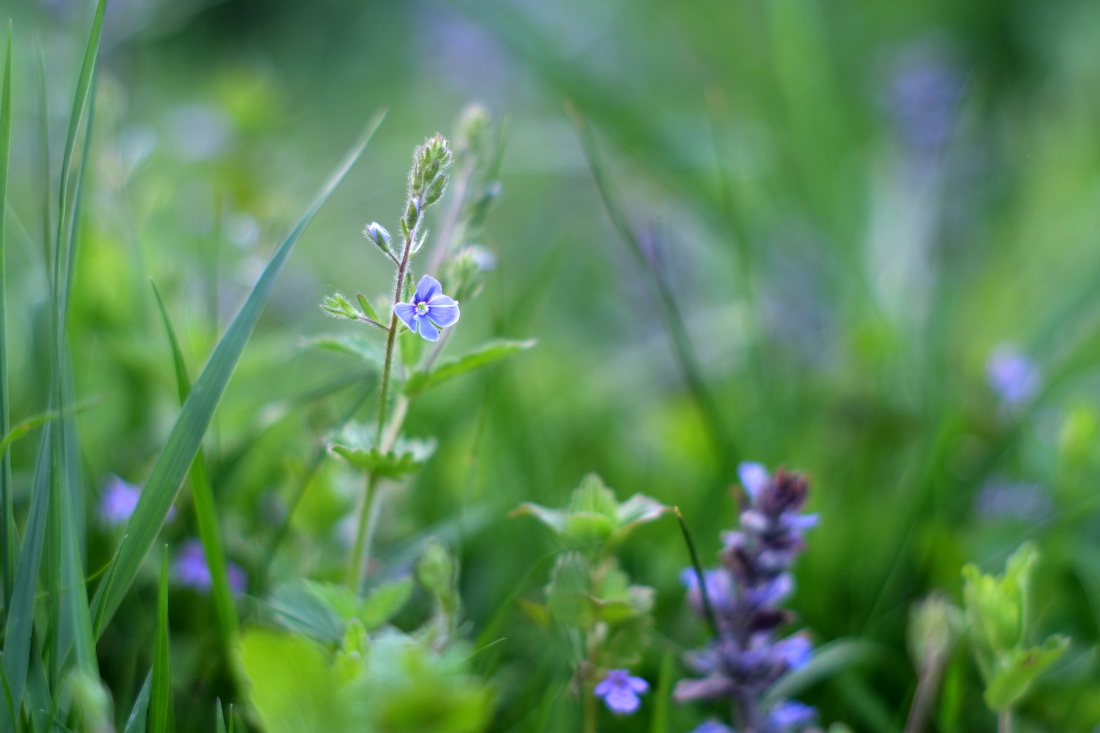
[186, 437]
[206, 513]
[219, 719]
[160, 710]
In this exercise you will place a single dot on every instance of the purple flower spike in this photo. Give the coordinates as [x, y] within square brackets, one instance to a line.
[754, 477]
[429, 311]
[620, 691]
[191, 570]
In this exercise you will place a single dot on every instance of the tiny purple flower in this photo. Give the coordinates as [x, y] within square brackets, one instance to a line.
[713, 726]
[754, 477]
[1011, 374]
[790, 714]
[429, 311]
[719, 589]
[620, 691]
[119, 500]
[191, 570]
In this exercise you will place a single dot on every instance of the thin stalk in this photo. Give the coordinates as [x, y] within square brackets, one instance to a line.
[589, 707]
[1004, 721]
[927, 686]
[360, 554]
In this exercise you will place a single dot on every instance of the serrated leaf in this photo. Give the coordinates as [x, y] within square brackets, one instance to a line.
[1018, 669]
[568, 596]
[483, 356]
[358, 346]
[407, 455]
[382, 603]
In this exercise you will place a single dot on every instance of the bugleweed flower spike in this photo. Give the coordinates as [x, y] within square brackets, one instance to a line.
[429, 311]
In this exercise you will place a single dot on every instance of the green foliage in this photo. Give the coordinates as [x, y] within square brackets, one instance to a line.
[484, 355]
[594, 520]
[1000, 625]
[356, 444]
[385, 684]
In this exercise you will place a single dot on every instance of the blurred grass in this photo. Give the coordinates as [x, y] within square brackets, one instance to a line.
[841, 286]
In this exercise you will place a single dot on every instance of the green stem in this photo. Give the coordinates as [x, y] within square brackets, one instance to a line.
[1004, 721]
[589, 707]
[368, 510]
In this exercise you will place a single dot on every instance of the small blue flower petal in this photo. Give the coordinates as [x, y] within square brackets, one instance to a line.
[620, 690]
[443, 311]
[426, 289]
[428, 329]
[790, 714]
[407, 313]
[754, 477]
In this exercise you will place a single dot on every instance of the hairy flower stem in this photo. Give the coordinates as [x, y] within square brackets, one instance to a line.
[368, 505]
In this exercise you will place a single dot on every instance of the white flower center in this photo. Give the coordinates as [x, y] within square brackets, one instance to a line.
[422, 308]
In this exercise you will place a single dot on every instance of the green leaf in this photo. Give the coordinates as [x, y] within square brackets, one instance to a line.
[186, 437]
[569, 594]
[355, 444]
[19, 624]
[382, 603]
[219, 716]
[1016, 671]
[138, 714]
[303, 609]
[487, 354]
[368, 309]
[358, 346]
[828, 661]
[206, 513]
[160, 711]
[295, 687]
[8, 533]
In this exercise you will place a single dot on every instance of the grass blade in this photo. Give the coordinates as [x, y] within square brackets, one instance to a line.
[7, 526]
[186, 437]
[19, 624]
[220, 717]
[138, 714]
[206, 514]
[160, 710]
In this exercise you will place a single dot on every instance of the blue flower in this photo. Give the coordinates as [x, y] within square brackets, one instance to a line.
[119, 500]
[791, 714]
[1012, 375]
[620, 691]
[429, 311]
[192, 570]
[713, 726]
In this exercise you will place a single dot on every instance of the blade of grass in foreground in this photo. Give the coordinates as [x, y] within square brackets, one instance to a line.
[160, 710]
[19, 625]
[7, 526]
[136, 722]
[186, 437]
[206, 513]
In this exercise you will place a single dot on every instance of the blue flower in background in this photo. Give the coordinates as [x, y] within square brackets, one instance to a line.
[119, 500]
[191, 570]
[1011, 374]
[713, 726]
[429, 311]
[620, 691]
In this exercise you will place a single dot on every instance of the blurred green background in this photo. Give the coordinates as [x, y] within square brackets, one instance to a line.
[853, 206]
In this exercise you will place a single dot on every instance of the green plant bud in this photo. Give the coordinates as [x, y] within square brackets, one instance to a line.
[368, 309]
[435, 190]
[91, 702]
[993, 612]
[473, 127]
[412, 214]
[934, 626]
[339, 307]
[437, 572]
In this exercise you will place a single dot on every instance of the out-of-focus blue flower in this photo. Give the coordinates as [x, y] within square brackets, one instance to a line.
[754, 477]
[719, 589]
[620, 690]
[119, 500]
[713, 726]
[925, 91]
[1005, 500]
[192, 571]
[1011, 374]
[790, 714]
[429, 311]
